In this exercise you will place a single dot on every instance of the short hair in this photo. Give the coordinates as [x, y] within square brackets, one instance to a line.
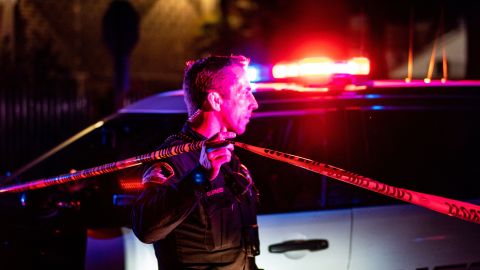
[203, 75]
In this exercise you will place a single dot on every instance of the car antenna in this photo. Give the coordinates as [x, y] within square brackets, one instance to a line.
[444, 50]
[431, 66]
[410, 46]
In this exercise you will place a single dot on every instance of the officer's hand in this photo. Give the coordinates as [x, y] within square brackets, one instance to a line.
[216, 152]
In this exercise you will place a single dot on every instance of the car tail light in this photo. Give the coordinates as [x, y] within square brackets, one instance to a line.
[130, 185]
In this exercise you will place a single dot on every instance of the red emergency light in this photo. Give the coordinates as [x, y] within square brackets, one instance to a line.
[321, 67]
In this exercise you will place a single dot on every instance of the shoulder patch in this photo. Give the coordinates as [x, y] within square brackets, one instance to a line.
[158, 173]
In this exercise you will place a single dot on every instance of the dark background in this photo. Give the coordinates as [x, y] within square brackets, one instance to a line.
[66, 64]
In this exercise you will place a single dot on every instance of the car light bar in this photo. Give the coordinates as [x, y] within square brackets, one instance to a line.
[253, 73]
[321, 66]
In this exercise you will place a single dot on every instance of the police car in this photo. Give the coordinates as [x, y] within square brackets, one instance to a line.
[416, 135]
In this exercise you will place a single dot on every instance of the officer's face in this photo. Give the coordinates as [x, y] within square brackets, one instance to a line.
[239, 103]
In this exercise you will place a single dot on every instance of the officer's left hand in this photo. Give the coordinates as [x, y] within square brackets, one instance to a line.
[215, 153]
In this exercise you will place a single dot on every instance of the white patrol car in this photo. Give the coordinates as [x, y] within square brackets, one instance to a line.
[416, 135]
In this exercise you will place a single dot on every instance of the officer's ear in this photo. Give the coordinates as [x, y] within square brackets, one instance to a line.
[214, 100]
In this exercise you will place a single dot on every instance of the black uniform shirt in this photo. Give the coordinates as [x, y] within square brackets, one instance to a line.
[195, 223]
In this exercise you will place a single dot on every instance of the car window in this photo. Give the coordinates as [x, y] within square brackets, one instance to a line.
[285, 188]
[124, 136]
[424, 149]
[102, 200]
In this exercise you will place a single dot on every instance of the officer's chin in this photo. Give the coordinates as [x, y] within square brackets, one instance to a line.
[240, 130]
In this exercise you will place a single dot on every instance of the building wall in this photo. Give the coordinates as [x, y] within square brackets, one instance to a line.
[58, 79]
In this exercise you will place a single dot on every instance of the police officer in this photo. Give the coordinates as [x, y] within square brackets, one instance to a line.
[199, 208]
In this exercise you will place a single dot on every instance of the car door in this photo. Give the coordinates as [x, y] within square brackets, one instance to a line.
[305, 218]
[305, 240]
[410, 237]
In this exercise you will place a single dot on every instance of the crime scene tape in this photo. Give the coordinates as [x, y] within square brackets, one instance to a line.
[466, 211]
[106, 168]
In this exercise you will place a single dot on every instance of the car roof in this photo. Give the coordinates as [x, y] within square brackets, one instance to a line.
[166, 102]
[280, 98]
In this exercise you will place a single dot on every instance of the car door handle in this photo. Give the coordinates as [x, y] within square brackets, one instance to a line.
[312, 245]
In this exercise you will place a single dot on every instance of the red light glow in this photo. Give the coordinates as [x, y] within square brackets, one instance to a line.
[130, 184]
[288, 86]
[358, 66]
[321, 66]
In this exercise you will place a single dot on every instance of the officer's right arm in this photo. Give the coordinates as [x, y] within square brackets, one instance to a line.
[168, 198]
